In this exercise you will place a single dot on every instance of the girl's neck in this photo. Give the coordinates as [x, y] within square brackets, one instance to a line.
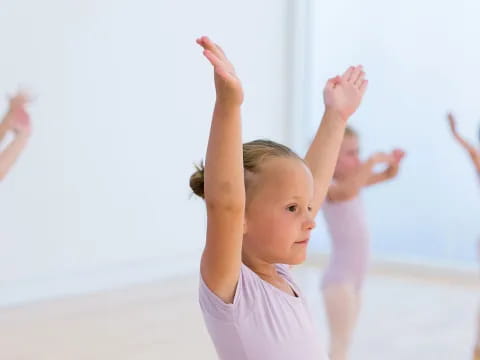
[262, 268]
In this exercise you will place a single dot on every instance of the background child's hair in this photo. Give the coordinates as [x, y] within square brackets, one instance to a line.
[349, 131]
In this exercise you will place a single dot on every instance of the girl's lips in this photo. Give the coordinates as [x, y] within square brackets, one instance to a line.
[303, 242]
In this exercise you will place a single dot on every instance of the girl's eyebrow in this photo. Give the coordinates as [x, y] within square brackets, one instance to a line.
[296, 197]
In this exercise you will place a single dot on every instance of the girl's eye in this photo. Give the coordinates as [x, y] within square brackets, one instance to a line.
[309, 208]
[292, 208]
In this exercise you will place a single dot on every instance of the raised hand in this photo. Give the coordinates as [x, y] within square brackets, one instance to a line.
[227, 84]
[343, 94]
[397, 156]
[17, 116]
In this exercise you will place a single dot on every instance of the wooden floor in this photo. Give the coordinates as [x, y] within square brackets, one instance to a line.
[403, 318]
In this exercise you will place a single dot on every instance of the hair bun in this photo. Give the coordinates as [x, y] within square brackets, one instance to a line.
[197, 181]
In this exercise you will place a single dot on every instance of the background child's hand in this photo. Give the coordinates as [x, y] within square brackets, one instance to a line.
[343, 94]
[397, 156]
[17, 116]
[227, 84]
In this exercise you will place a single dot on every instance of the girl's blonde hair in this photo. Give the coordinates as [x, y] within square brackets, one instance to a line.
[255, 153]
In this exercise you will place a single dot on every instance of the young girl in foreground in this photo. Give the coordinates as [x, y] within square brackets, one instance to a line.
[475, 157]
[345, 219]
[261, 201]
[18, 121]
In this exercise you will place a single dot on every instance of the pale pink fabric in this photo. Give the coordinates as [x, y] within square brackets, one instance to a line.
[350, 241]
[263, 323]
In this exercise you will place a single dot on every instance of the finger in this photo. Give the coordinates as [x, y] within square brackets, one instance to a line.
[355, 73]
[348, 73]
[214, 48]
[358, 81]
[363, 87]
[221, 51]
[18, 101]
[205, 42]
[200, 41]
[331, 82]
[388, 156]
[396, 161]
[381, 157]
[392, 161]
[224, 74]
[214, 60]
[397, 155]
[218, 65]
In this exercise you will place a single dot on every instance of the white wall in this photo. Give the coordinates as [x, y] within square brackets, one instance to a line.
[421, 59]
[101, 198]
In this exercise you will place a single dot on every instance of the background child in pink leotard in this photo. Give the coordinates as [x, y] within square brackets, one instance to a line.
[345, 219]
[475, 157]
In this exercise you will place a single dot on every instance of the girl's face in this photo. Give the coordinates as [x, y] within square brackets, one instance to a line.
[348, 158]
[278, 217]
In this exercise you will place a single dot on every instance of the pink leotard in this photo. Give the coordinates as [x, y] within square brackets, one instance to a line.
[350, 241]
